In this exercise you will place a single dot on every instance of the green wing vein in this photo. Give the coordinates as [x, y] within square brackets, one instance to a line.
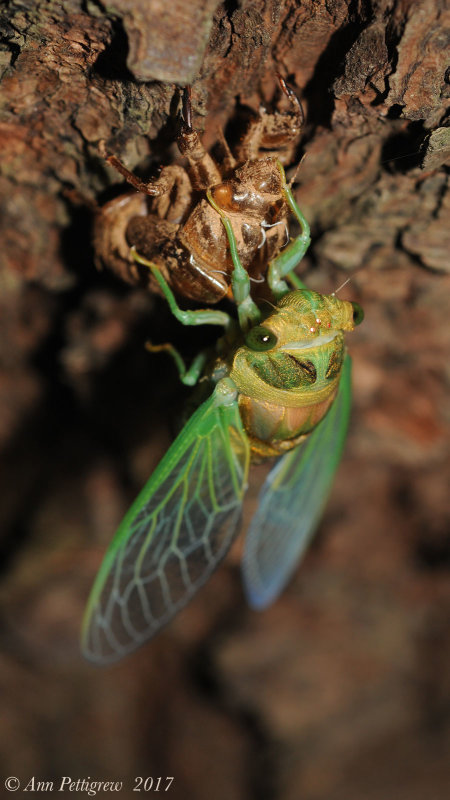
[174, 535]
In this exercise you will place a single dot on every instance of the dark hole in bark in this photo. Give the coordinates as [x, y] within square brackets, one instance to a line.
[112, 63]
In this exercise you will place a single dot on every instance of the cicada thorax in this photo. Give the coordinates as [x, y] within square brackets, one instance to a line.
[288, 371]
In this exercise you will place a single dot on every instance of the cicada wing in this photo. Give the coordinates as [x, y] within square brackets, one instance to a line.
[174, 535]
[292, 500]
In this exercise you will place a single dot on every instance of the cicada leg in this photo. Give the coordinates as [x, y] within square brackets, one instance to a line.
[203, 316]
[248, 311]
[188, 375]
[171, 177]
[281, 266]
[295, 281]
[273, 131]
[204, 171]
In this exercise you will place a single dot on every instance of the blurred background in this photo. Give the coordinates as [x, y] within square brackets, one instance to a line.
[341, 690]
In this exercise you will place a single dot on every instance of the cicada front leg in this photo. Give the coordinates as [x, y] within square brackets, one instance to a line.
[171, 189]
[188, 375]
[283, 265]
[248, 311]
[203, 316]
[204, 171]
[275, 130]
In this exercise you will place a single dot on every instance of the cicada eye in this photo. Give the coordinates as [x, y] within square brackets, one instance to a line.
[358, 313]
[260, 338]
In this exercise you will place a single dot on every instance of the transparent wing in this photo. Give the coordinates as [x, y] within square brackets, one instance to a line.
[173, 536]
[291, 502]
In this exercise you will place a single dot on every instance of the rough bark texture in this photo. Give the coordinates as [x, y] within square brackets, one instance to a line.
[342, 689]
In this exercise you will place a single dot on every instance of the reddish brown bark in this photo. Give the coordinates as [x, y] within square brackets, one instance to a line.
[342, 689]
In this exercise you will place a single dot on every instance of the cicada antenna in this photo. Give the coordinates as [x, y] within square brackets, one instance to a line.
[272, 305]
[333, 294]
[296, 170]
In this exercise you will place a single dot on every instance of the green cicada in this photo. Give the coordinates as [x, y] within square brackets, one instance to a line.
[281, 387]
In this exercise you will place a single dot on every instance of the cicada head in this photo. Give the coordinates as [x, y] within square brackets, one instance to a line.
[294, 358]
[315, 314]
[256, 192]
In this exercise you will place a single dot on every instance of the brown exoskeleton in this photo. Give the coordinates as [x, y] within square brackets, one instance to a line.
[171, 223]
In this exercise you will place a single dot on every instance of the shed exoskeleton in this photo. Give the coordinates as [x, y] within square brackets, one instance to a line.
[170, 222]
